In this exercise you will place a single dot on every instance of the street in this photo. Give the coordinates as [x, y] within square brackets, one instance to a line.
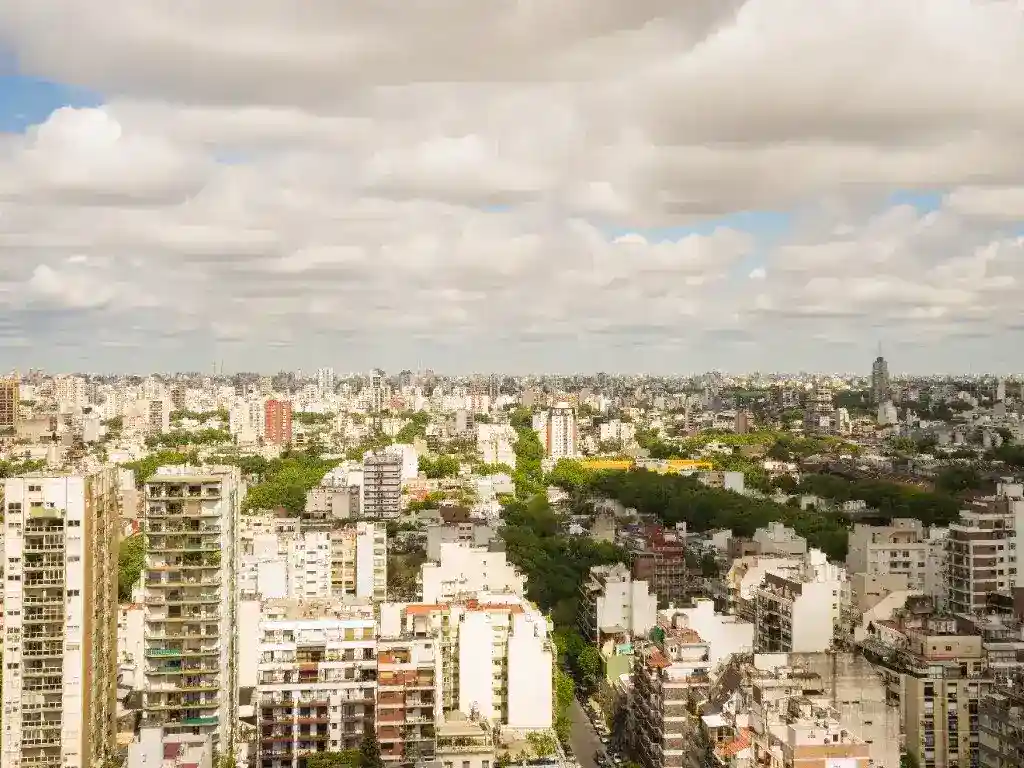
[585, 742]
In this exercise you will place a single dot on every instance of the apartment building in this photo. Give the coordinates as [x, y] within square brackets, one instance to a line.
[316, 680]
[905, 548]
[278, 422]
[468, 742]
[408, 697]
[800, 613]
[60, 647]
[982, 550]
[279, 565]
[803, 733]
[190, 598]
[158, 416]
[778, 540]
[613, 603]
[474, 533]
[660, 560]
[496, 657]
[359, 561]
[463, 571]
[939, 678]
[670, 679]
[495, 443]
[382, 486]
[9, 400]
[1001, 725]
[556, 428]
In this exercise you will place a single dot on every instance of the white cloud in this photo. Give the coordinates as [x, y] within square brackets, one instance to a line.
[451, 171]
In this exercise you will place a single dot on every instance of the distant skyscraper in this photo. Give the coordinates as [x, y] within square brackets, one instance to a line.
[1000, 392]
[9, 389]
[278, 414]
[880, 390]
[325, 380]
[379, 394]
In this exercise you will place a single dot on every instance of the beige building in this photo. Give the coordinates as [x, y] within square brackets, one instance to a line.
[190, 599]
[9, 389]
[937, 675]
[982, 551]
[465, 743]
[906, 548]
[60, 650]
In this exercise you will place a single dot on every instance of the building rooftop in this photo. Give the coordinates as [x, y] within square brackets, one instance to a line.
[305, 609]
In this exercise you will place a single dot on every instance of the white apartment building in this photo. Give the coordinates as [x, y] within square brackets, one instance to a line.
[556, 428]
[619, 432]
[406, 453]
[60, 598]
[779, 540]
[497, 657]
[464, 570]
[296, 563]
[316, 679]
[612, 602]
[190, 597]
[69, 391]
[904, 548]
[724, 633]
[496, 442]
[800, 613]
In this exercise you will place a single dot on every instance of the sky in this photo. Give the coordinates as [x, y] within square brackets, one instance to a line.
[556, 185]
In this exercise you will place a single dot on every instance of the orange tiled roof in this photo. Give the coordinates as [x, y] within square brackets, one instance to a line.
[734, 747]
[658, 660]
[422, 609]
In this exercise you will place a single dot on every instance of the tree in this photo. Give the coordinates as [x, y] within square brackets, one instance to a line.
[588, 668]
[369, 750]
[131, 557]
[349, 758]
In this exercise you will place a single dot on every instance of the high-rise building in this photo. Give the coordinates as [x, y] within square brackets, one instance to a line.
[880, 387]
[317, 679]
[190, 599]
[557, 431]
[60, 650]
[9, 389]
[982, 550]
[325, 381]
[359, 561]
[819, 409]
[382, 486]
[178, 397]
[278, 420]
[379, 391]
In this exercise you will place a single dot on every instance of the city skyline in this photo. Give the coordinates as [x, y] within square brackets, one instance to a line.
[599, 186]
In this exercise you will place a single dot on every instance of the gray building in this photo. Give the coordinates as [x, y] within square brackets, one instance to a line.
[382, 486]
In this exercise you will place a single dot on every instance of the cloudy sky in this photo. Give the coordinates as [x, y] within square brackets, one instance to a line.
[511, 184]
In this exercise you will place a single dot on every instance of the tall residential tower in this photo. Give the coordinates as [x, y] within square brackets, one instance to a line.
[190, 598]
[60, 654]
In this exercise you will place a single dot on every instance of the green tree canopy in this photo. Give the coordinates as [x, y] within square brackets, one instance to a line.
[131, 557]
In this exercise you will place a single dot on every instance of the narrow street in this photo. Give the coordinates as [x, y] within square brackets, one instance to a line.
[585, 741]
